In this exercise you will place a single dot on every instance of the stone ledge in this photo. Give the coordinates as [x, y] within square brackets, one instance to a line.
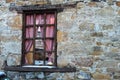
[37, 69]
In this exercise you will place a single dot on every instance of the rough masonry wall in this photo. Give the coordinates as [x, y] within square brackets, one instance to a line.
[88, 39]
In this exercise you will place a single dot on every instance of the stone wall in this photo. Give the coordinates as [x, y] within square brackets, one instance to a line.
[88, 39]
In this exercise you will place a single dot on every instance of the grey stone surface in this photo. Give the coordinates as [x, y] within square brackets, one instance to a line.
[88, 39]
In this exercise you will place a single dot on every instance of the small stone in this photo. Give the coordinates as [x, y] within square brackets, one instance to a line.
[86, 26]
[99, 43]
[62, 61]
[110, 2]
[80, 5]
[1, 62]
[8, 1]
[108, 64]
[20, 3]
[107, 27]
[41, 2]
[15, 22]
[13, 60]
[106, 12]
[118, 3]
[96, 53]
[92, 4]
[101, 76]
[116, 76]
[41, 75]
[97, 34]
[97, 48]
[84, 76]
[119, 12]
[83, 61]
[112, 70]
[59, 36]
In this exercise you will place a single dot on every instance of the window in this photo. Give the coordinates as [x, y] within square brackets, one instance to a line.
[39, 40]
[39, 46]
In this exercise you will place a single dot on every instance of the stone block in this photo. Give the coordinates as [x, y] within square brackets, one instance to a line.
[13, 75]
[8, 35]
[96, 48]
[115, 50]
[84, 76]
[13, 59]
[1, 61]
[61, 36]
[118, 3]
[15, 22]
[80, 5]
[20, 3]
[83, 61]
[11, 38]
[110, 2]
[96, 53]
[116, 44]
[41, 2]
[92, 4]
[107, 27]
[118, 12]
[3, 8]
[106, 12]
[9, 1]
[33, 2]
[97, 34]
[113, 55]
[13, 47]
[113, 70]
[116, 76]
[63, 61]
[108, 64]
[99, 43]
[68, 76]
[101, 76]
[86, 26]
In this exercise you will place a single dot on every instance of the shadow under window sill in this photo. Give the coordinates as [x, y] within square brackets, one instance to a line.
[33, 68]
[38, 69]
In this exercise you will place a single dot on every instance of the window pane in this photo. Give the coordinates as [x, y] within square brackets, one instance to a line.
[50, 58]
[50, 19]
[39, 32]
[29, 32]
[39, 45]
[29, 19]
[39, 19]
[50, 31]
[49, 44]
[39, 58]
[28, 45]
[29, 58]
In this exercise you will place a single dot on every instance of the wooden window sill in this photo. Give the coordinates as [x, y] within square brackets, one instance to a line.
[38, 69]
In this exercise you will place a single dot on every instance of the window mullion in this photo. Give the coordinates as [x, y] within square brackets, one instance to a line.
[55, 38]
[44, 37]
[23, 40]
[34, 21]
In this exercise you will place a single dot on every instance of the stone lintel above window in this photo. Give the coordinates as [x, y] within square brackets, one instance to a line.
[58, 7]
